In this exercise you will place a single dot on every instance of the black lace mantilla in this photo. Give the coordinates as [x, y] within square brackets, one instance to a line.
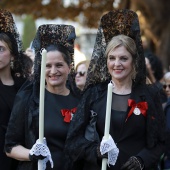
[111, 24]
[8, 27]
[63, 35]
[55, 34]
[52, 34]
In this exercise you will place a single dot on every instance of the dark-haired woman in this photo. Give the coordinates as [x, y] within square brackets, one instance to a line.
[13, 73]
[60, 101]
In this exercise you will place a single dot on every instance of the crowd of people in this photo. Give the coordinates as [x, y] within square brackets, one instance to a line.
[77, 96]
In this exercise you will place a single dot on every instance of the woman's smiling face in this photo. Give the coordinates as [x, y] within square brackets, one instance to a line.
[120, 63]
[5, 56]
[57, 69]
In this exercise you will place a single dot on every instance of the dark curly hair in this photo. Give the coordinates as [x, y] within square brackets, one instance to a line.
[155, 64]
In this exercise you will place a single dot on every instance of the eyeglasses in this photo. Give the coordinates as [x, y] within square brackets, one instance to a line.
[81, 74]
[165, 86]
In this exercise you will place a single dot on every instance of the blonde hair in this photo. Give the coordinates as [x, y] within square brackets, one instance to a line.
[167, 76]
[85, 62]
[122, 40]
[129, 44]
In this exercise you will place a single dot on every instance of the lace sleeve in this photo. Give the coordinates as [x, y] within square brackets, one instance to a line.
[155, 118]
[77, 146]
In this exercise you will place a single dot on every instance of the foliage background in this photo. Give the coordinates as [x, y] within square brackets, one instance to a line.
[153, 14]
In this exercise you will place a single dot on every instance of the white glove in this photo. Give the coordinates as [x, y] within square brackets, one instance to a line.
[109, 146]
[41, 151]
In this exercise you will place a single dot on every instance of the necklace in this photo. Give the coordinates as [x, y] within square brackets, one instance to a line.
[120, 91]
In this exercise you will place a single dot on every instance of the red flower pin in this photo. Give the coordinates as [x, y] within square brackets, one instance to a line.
[68, 114]
[137, 108]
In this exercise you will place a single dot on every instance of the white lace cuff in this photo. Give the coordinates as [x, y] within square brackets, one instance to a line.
[109, 146]
[42, 149]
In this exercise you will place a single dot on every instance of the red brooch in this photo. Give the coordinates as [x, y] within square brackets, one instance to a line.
[68, 114]
[137, 108]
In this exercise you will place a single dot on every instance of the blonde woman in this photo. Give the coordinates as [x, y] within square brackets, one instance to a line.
[81, 74]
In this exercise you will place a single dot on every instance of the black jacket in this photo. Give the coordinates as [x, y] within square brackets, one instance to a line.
[81, 152]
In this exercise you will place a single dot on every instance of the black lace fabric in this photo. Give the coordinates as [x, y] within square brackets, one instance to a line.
[111, 24]
[47, 34]
[8, 27]
[53, 34]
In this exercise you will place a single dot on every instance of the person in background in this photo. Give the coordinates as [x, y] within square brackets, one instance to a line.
[136, 111]
[29, 63]
[154, 74]
[81, 73]
[60, 102]
[149, 71]
[166, 86]
[13, 73]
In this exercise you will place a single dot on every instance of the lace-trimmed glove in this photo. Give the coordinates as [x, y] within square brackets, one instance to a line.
[108, 146]
[134, 163]
[42, 152]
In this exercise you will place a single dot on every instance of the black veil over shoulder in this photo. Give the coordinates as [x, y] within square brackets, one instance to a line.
[112, 24]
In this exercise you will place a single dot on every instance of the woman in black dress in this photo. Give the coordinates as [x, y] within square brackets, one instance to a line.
[61, 100]
[137, 124]
[13, 73]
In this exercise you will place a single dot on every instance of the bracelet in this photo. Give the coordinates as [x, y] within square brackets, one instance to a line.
[141, 166]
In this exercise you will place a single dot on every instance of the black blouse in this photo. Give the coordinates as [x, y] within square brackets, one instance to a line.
[23, 125]
[124, 134]
[7, 96]
[55, 126]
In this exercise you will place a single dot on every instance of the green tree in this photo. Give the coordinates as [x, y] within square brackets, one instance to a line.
[29, 30]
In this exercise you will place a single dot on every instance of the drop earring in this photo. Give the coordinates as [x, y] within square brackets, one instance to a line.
[12, 64]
